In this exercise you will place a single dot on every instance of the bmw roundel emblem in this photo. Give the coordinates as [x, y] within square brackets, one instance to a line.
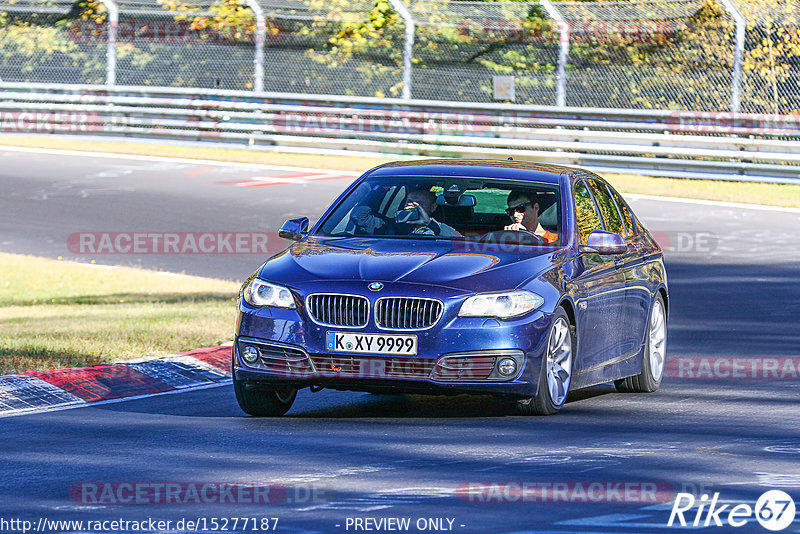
[375, 286]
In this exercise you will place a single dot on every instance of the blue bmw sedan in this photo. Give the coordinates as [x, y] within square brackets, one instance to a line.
[519, 280]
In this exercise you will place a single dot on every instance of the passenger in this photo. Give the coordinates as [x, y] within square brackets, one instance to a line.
[425, 201]
[523, 209]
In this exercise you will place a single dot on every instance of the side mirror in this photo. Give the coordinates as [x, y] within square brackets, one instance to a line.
[604, 242]
[294, 229]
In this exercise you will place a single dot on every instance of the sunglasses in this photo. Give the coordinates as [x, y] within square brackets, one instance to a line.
[520, 208]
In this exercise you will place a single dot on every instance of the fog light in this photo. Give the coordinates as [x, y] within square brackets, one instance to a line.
[250, 354]
[507, 367]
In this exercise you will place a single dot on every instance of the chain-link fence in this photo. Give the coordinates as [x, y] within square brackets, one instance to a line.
[462, 48]
[191, 43]
[339, 47]
[704, 55]
[38, 44]
[665, 54]
[771, 81]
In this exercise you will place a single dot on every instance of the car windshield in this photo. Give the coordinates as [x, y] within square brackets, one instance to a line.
[448, 208]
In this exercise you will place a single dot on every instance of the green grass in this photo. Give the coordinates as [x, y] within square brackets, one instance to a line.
[751, 193]
[66, 314]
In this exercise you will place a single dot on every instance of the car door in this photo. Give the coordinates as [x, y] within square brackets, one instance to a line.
[599, 288]
[637, 277]
[627, 338]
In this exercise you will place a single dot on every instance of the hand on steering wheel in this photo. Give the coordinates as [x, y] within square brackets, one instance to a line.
[518, 227]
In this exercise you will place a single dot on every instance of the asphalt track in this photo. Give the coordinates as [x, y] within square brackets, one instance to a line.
[734, 293]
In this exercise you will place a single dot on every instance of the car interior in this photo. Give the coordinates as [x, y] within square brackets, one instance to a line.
[476, 210]
[488, 214]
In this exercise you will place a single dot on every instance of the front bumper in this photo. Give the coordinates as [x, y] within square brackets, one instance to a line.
[458, 355]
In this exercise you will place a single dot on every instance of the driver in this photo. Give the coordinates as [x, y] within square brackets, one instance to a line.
[523, 209]
[424, 200]
[368, 222]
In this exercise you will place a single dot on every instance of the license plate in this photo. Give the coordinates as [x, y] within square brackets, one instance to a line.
[371, 343]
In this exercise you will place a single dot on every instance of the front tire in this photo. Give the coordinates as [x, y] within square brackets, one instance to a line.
[555, 375]
[655, 353]
[266, 402]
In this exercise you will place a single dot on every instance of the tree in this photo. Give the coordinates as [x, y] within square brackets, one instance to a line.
[39, 46]
[773, 54]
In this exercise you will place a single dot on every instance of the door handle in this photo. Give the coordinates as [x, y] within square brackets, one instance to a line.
[617, 262]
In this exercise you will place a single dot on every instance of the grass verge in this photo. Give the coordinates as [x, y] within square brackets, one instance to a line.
[751, 193]
[64, 314]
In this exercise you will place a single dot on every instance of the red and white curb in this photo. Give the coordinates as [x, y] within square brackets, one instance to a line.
[293, 178]
[36, 391]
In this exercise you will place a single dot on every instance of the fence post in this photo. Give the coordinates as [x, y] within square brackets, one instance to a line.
[408, 44]
[111, 45]
[261, 40]
[738, 56]
[563, 51]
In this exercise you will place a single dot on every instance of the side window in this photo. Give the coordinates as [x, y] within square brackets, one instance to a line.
[391, 202]
[585, 213]
[549, 217]
[627, 218]
[611, 218]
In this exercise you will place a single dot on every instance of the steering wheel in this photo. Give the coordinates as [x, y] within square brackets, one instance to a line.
[538, 238]
[518, 237]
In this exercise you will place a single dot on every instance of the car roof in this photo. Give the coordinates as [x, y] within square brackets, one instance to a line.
[476, 168]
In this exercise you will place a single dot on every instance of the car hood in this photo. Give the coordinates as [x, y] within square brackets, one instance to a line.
[458, 265]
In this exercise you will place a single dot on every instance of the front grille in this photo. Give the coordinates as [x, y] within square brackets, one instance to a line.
[407, 313]
[464, 368]
[283, 360]
[339, 310]
[371, 367]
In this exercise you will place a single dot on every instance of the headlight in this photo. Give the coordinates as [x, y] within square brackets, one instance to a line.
[260, 293]
[503, 305]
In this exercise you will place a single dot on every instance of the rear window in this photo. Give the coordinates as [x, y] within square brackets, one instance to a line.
[608, 208]
[585, 213]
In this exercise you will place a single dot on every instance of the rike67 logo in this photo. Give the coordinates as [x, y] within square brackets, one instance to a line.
[774, 510]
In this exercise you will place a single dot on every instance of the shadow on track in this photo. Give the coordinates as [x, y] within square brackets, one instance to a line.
[330, 404]
[715, 310]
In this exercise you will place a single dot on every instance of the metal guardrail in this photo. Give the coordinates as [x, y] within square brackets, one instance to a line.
[728, 146]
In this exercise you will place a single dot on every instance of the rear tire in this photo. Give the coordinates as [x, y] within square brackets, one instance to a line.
[266, 402]
[555, 374]
[655, 352]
